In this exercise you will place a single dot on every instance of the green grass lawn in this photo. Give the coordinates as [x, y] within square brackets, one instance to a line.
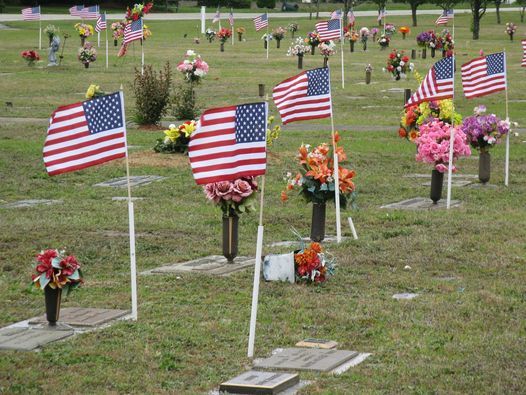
[459, 336]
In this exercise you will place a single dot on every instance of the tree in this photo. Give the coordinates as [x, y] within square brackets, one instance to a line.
[381, 6]
[446, 4]
[414, 5]
[478, 9]
[497, 9]
[522, 4]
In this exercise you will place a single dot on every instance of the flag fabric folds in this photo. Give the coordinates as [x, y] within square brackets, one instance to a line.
[351, 18]
[329, 30]
[444, 18]
[91, 12]
[217, 17]
[85, 134]
[337, 14]
[381, 14]
[101, 23]
[523, 64]
[31, 14]
[229, 143]
[484, 75]
[133, 31]
[304, 96]
[261, 21]
[76, 10]
[437, 84]
[231, 18]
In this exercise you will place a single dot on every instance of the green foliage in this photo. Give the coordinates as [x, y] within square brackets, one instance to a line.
[184, 103]
[180, 145]
[152, 94]
[225, 3]
[270, 4]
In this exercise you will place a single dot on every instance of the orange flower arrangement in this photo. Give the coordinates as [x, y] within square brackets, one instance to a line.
[404, 30]
[311, 264]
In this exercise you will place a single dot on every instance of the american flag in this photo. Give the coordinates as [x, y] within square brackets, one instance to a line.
[484, 75]
[231, 18]
[133, 31]
[337, 14]
[304, 96]
[85, 134]
[445, 17]
[217, 17]
[229, 143]
[329, 30]
[523, 64]
[31, 14]
[351, 18]
[76, 10]
[90, 12]
[381, 14]
[261, 21]
[437, 84]
[101, 23]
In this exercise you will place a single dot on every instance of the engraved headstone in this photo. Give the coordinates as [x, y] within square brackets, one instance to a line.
[420, 203]
[31, 203]
[77, 316]
[26, 339]
[256, 382]
[405, 296]
[135, 181]
[215, 264]
[311, 359]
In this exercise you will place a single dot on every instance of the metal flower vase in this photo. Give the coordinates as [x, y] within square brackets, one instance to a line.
[317, 228]
[484, 166]
[312, 49]
[222, 47]
[300, 61]
[230, 236]
[352, 45]
[437, 181]
[53, 297]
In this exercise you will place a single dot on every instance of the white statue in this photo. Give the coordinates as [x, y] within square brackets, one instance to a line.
[53, 49]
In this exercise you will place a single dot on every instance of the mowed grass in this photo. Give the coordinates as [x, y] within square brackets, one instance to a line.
[458, 336]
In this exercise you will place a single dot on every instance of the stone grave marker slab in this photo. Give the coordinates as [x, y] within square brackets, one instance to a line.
[31, 203]
[125, 198]
[479, 185]
[26, 339]
[88, 317]
[213, 264]
[257, 382]
[454, 183]
[420, 203]
[311, 359]
[405, 296]
[135, 181]
[317, 343]
[428, 175]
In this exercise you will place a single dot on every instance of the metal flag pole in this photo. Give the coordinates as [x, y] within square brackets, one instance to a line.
[98, 39]
[451, 141]
[142, 47]
[507, 161]
[266, 37]
[257, 263]
[232, 25]
[40, 32]
[336, 172]
[106, 19]
[131, 222]
[341, 50]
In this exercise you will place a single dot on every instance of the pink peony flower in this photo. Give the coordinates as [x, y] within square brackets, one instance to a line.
[241, 189]
[211, 193]
[224, 190]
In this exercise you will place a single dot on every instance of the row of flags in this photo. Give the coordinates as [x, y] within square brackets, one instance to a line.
[217, 17]
[91, 12]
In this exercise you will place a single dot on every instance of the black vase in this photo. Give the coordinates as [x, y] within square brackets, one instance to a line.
[222, 47]
[367, 77]
[484, 166]
[230, 236]
[53, 297]
[325, 61]
[424, 53]
[278, 43]
[413, 54]
[300, 61]
[352, 45]
[265, 43]
[312, 49]
[437, 181]
[239, 37]
[365, 45]
[317, 227]
[433, 52]
[114, 43]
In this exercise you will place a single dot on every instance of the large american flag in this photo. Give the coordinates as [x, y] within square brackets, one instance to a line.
[101, 23]
[444, 18]
[329, 30]
[437, 84]
[91, 12]
[523, 64]
[336, 14]
[304, 96]
[76, 10]
[133, 31]
[229, 143]
[31, 14]
[351, 18]
[85, 134]
[484, 75]
[261, 21]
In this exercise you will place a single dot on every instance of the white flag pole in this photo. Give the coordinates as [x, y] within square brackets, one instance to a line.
[106, 19]
[203, 19]
[341, 50]
[98, 39]
[451, 143]
[353, 229]
[142, 47]
[336, 174]
[266, 37]
[131, 222]
[507, 162]
[40, 33]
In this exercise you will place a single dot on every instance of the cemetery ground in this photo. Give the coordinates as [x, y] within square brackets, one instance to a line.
[464, 332]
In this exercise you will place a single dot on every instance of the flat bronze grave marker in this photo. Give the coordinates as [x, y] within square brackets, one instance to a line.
[454, 183]
[420, 203]
[135, 181]
[406, 296]
[31, 203]
[78, 316]
[25, 339]
[479, 185]
[311, 359]
[317, 343]
[256, 382]
[428, 175]
[214, 264]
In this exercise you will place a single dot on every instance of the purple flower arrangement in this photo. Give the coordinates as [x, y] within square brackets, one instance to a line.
[484, 131]
[423, 39]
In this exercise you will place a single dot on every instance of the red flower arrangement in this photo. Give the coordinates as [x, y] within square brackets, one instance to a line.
[398, 64]
[138, 11]
[311, 264]
[224, 34]
[30, 56]
[56, 270]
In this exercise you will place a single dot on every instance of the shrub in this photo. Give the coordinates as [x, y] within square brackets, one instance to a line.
[184, 103]
[152, 94]
[270, 4]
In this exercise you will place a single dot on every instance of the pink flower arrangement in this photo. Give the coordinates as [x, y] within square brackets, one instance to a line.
[433, 144]
[56, 270]
[193, 67]
[233, 196]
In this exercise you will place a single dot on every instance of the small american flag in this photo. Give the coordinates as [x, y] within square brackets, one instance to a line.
[231, 18]
[261, 21]
[329, 30]
[31, 14]
[437, 84]
[337, 14]
[90, 12]
[445, 17]
[350, 17]
[229, 143]
[484, 75]
[217, 17]
[76, 10]
[523, 64]
[381, 14]
[304, 96]
[101, 23]
[133, 31]
[85, 134]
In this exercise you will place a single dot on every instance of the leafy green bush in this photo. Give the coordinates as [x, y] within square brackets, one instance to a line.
[270, 4]
[184, 103]
[152, 94]
[225, 3]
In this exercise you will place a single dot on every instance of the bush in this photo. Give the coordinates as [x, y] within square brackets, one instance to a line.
[270, 4]
[184, 106]
[152, 94]
[225, 3]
